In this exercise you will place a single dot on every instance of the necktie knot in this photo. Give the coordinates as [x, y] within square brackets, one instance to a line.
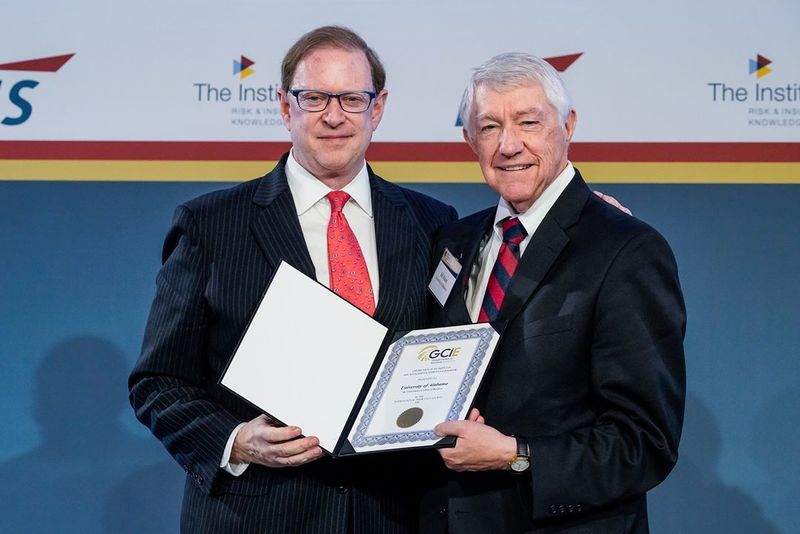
[513, 231]
[337, 199]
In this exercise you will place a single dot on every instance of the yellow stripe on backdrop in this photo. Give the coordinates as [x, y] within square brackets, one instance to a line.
[403, 172]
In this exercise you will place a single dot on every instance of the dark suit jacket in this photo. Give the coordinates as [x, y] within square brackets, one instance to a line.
[217, 260]
[590, 369]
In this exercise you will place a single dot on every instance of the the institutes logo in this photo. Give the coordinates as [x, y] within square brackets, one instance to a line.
[775, 104]
[246, 104]
[759, 66]
[243, 67]
[18, 90]
[560, 63]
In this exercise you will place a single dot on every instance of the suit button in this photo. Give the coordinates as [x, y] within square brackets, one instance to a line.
[561, 509]
[442, 511]
[342, 489]
[577, 507]
[553, 509]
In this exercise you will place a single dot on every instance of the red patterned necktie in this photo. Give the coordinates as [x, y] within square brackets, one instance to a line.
[504, 268]
[349, 277]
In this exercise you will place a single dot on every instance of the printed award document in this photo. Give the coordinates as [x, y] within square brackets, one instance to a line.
[311, 359]
[425, 378]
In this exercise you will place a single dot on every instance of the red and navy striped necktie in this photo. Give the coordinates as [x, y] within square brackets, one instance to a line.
[504, 269]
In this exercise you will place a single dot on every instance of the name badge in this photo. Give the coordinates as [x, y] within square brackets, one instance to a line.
[444, 277]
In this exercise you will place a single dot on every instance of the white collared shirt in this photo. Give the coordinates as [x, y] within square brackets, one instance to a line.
[314, 212]
[490, 247]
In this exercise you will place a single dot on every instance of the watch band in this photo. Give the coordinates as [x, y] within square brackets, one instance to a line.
[523, 448]
[522, 460]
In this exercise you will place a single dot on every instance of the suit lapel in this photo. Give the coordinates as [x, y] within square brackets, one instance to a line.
[276, 227]
[396, 240]
[465, 245]
[546, 244]
[544, 247]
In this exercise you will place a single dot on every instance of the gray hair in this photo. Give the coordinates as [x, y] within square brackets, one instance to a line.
[511, 70]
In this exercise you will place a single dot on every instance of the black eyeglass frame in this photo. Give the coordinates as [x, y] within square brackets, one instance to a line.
[296, 94]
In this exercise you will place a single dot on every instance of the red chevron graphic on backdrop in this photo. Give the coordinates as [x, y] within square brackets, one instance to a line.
[562, 63]
[44, 64]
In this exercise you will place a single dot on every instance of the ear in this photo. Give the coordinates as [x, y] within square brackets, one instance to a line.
[377, 108]
[469, 140]
[286, 108]
[569, 125]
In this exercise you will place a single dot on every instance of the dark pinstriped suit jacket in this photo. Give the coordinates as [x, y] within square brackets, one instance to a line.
[218, 257]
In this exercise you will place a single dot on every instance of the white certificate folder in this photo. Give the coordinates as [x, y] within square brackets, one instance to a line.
[311, 359]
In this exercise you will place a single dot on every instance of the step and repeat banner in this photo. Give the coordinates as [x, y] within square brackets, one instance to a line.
[665, 91]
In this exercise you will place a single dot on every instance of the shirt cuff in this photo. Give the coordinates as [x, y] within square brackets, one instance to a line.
[225, 463]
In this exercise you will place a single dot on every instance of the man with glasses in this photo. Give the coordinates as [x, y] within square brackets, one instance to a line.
[321, 204]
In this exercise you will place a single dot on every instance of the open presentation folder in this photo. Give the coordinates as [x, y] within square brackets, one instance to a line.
[311, 359]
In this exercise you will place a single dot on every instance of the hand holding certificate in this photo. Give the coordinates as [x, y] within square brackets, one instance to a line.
[310, 358]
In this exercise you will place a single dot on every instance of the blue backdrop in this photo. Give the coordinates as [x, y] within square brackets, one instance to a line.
[78, 267]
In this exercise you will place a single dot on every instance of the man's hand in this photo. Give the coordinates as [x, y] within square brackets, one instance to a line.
[614, 202]
[475, 415]
[479, 447]
[261, 443]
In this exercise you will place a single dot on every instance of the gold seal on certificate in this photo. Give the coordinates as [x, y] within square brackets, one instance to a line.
[409, 417]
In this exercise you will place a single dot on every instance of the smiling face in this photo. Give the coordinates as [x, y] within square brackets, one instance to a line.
[520, 141]
[331, 144]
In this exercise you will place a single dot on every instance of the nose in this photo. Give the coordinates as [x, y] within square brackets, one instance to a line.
[510, 143]
[334, 115]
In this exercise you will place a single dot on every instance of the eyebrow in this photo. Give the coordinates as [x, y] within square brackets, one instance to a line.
[537, 111]
[487, 116]
[530, 111]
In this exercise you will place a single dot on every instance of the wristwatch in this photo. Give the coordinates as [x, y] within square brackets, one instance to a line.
[521, 461]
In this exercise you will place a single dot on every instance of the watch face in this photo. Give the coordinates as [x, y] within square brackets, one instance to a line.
[520, 464]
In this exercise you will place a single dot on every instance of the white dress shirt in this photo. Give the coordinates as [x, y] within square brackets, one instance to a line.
[314, 212]
[490, 246]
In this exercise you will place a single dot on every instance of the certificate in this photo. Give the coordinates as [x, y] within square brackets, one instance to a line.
[310, 358]
[427, 377]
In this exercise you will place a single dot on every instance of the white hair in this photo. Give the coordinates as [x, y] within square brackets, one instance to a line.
[511, 70]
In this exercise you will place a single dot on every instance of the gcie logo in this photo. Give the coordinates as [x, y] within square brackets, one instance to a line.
[18, 92]
[432, 352]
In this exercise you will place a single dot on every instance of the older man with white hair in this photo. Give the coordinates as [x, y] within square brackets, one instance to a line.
[581, 412]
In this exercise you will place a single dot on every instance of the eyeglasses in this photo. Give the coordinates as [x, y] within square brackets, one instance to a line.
[314, 100]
